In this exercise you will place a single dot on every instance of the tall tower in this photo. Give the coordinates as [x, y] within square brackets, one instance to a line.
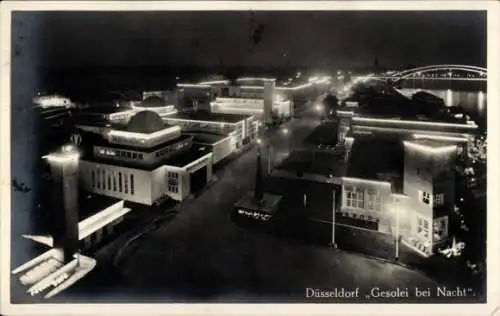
[269, 98]
[64, 197]
[429, 182]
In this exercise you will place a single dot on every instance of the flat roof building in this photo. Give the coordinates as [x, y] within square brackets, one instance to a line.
[242, 129]
[143, 160]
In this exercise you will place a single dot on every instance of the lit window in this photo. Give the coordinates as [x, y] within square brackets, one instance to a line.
[423, 227]
[373, 201]
[440, 228]
[439, 199]
[354, 197]
[425, 197]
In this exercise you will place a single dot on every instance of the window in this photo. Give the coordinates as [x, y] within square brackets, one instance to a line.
[109, 181]
[440, 228]
[129, 155]
[373, 200]
[93, 178]
[125, 183]
[132, 189]
[98, 180]
[173, 182]
[439, 199]
[423, 227]
[140, 156]
[120, 181]
[354, 197]
[134, 156]
[114, 181]
[103, 179]
[425, 197]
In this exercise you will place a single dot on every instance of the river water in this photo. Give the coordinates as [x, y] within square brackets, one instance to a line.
[473, 102]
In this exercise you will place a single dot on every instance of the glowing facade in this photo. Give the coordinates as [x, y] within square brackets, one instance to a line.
[241, 128]
[429, 182]
[145, 161]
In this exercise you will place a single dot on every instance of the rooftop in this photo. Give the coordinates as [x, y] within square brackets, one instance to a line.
[324, 134]
[319, 162]
[204, 138]
[90, 204]
[378, 158]
[209, 117]
[98, 110]
[99, 141]
[153, 102]
[188, 156]
[178, 160]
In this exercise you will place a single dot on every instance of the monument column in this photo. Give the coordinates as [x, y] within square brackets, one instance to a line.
[269, 98]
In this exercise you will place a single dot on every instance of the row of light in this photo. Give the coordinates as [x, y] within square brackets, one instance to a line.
[132, 135]
[392, 121]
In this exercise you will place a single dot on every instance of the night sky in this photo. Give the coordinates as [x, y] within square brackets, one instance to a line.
[335, 39]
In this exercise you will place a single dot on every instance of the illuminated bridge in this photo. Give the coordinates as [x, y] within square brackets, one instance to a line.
[433, 72]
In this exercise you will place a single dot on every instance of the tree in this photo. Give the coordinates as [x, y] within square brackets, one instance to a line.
[331, 103]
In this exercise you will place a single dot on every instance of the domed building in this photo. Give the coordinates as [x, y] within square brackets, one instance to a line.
[146, 122]
[145, 161]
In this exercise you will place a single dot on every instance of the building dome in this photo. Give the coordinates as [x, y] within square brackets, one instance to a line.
[145, 122]
[153, 102]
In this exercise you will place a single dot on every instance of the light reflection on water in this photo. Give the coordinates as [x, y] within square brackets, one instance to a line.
[473, 102]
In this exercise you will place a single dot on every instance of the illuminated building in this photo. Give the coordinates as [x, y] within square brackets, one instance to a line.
[145, 161]
[123, 111]
[250, 95]
[49, 101]
[400, 184]
[242, 128]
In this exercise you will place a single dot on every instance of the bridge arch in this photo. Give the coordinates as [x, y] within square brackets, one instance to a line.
[407, 73]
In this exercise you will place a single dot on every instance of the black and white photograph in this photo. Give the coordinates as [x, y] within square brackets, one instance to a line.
[249, 153]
